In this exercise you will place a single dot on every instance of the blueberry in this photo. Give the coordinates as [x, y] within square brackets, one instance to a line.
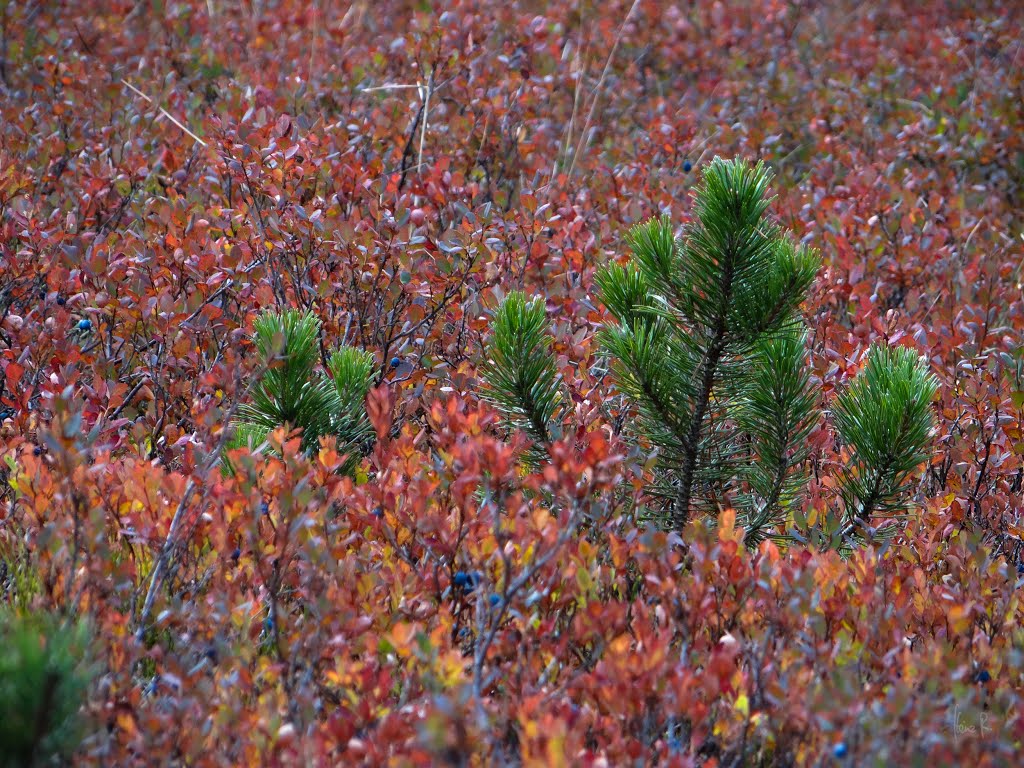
[378, 512]
[236, 554]
[839, 750]
[85, 324]
[982, 676]
[1020, 568]
[467, 581]
[61, 301]
[687, 166]
[395, 362]
[268, 624]
[494, 600]
[264, 508]
[37, 451]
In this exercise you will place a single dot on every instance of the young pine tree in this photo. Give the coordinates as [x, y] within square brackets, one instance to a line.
[291, 392]
[885, 420]
[45, 674]
[520, 375]
[708, 346]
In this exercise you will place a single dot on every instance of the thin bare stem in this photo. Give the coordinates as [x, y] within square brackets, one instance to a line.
[164, 112]
[597, 90]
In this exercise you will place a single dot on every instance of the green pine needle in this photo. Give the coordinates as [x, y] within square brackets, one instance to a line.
[521, 376]
[885, 417]
[292, 393]
[706, 345]
[776, 409]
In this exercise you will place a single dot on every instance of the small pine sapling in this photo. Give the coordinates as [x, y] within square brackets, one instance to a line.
[885, 419]
[708, 346]
[520, 376]
[291, 392]
[45, 674]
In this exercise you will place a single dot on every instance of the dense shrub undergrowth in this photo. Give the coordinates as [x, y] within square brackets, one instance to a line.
[424, 586]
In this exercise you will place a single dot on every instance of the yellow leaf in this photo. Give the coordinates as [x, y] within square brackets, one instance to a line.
[742, 704]
[727, 524]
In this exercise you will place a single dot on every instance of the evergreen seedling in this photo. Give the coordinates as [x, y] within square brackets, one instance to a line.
[885, 418]
[44, 679]
[521, 377]
[291, 392]
[708, 345]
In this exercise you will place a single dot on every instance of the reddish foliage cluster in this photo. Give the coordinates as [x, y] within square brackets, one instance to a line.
[169, 169]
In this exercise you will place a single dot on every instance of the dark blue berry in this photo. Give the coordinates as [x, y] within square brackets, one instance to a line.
[268, 624]
[982, 676]
[395, 362]
[1020, 568]
[378, 512]
[264, 508]
[494, 600]
[85, 324]
[37, 451]
[687, 166]
[460, 579]
[236, 554]
[61, 301]
[839, 751]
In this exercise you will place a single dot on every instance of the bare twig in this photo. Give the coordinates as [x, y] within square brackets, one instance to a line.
[164, 112]
[164, 559]
[425, 95]
[597, 90]
[391, 87]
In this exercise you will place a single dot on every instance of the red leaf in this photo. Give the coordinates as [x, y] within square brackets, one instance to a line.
[378, 408]
[13, 373]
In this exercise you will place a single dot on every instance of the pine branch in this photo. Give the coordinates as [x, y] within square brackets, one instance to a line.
[521, 375]
[777, 411]
[886, 419]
